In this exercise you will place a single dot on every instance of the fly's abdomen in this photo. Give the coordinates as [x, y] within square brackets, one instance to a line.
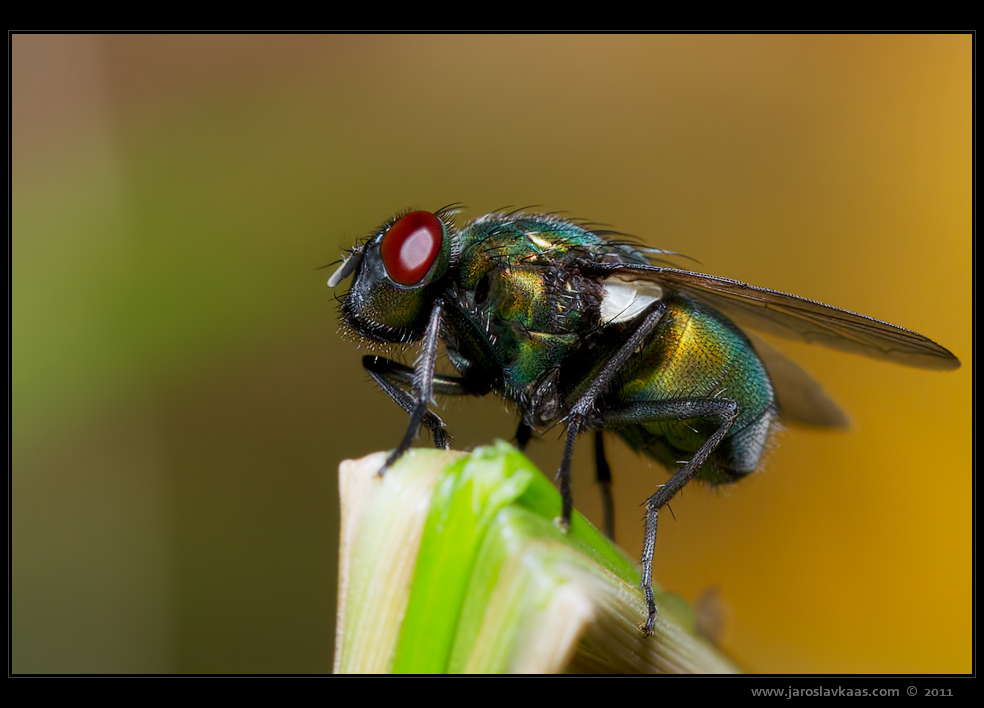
[697, 354]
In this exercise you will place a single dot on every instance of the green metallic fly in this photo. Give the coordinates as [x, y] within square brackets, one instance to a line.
[584, 327]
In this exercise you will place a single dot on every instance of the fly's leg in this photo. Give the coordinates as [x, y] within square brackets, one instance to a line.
[585, 404]
[720, 411]
[380, 370]
[603, 475]
[523, 435]
[391, 376]
[402, 376]
[481, 376]
[423, 384]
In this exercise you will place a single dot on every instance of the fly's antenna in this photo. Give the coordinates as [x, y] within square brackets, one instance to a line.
[349, 266]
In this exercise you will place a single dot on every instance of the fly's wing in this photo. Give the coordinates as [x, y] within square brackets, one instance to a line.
[793, 317]
[800, 398]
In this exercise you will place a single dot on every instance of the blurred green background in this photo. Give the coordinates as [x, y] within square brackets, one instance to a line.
[181, 399]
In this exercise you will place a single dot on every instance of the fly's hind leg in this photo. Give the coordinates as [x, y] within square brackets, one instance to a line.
[719, 411]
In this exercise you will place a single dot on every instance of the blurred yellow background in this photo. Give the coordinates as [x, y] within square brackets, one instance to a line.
[181, 399]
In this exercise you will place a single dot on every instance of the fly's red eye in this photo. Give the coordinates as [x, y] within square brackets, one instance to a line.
[411, 245]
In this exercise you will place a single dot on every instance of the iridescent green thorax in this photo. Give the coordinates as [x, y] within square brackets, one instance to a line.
[497, 240]
[516, 277]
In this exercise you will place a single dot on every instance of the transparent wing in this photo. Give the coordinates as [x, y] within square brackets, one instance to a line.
[800, 398]
[793, 317]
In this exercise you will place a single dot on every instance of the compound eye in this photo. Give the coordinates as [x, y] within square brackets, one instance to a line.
[411, 245]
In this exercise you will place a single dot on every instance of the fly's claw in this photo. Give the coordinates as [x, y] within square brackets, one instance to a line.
[390, 461]
[649, 626]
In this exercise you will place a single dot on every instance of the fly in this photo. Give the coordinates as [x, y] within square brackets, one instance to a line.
[584, 327]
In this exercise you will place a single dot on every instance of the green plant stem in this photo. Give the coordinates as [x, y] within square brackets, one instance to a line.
[456, 563]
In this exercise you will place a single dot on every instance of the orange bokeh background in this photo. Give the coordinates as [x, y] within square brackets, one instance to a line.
[181, 399]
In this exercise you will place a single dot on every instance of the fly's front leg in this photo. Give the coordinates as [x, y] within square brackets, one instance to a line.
[423, 384]
[386, 373]
[585, 404]
[720, 411]
[480, 376]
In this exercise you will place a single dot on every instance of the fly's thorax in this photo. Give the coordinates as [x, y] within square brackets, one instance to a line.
[519, 279]
[402, 270]
[534, 317]
[546, 300]
[543, 240]
[523, 272]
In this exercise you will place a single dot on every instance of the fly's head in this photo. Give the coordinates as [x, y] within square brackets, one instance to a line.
[397, 274]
